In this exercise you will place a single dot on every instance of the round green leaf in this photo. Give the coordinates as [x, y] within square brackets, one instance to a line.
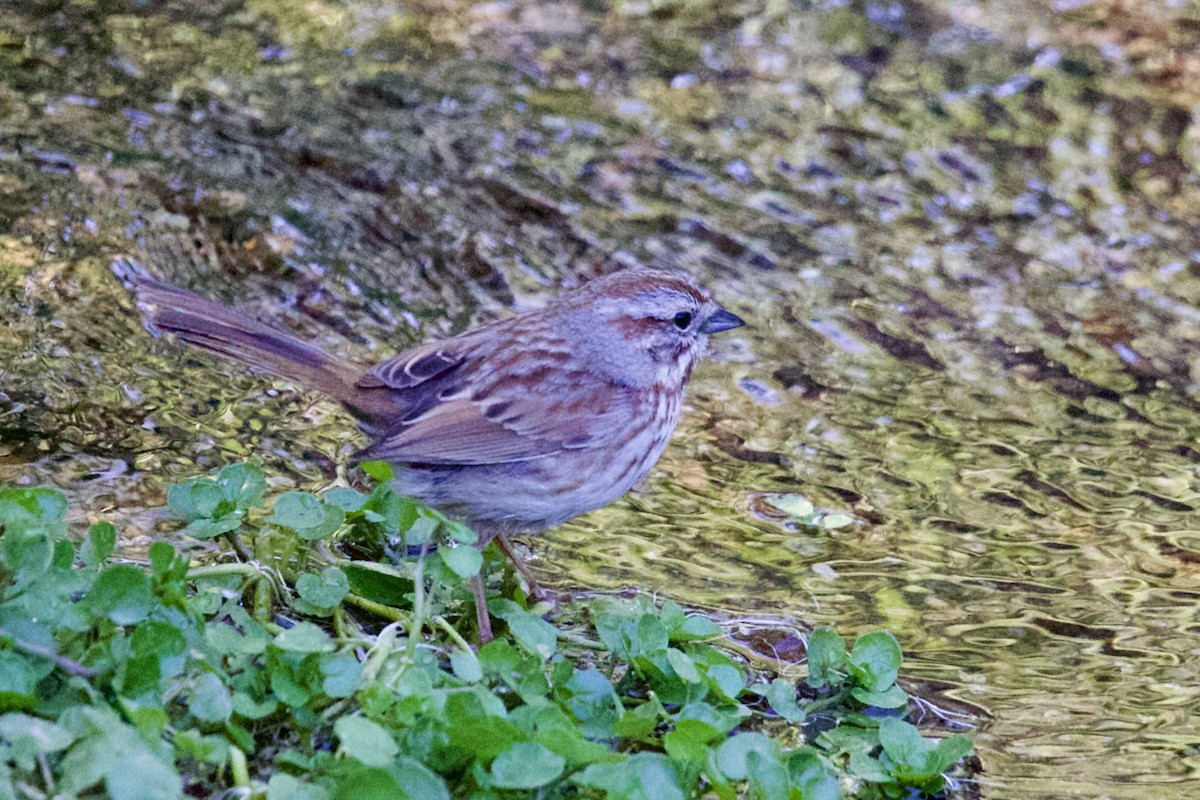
[526, 766]
[464, 560]
[325, 590]
[892, 697]
[345, 499]
[304, 637]
[697, 627]
[466, 666]
[210, 700]
[342, 674]
[367, 741]
[733, 752]
[875, 660]
[306, 515]
[141, 776]
[532, 633]
[242, 484]
[195, 499]
[121, 593]
[729, 680]
[418, 781]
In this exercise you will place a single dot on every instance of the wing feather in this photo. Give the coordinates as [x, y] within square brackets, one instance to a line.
[515, 422]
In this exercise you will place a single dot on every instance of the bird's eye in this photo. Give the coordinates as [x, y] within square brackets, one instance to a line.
[682, 320]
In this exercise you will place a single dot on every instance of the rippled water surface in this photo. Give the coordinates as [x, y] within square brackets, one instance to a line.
[965, 236]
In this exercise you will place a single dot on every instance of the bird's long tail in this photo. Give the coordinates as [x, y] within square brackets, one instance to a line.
[222, 330]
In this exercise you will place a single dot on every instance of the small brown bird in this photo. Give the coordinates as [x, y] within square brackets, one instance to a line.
[518, 425]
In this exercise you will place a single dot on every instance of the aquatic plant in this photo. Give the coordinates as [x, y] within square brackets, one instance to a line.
[322, 654]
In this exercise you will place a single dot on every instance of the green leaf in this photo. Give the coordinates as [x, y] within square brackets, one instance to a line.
[161, 557]
[875, 661]
[728, 680]
[141, 776]
[781, 696]
[892, 697]
[421, 527]
[526, 765]
[644, 776]
[460, 533]
[639, 723]
[733, 752]
[791, 504]
[29, 737]
[305, 514]
[532, 632]
[358, 782]
[33, 507]
[466, 666]
[242, 484]
[767, 777]
[917, 760]
[416, 781]
[297, 510]
[689, 740]
[477, 722]
[367, 741]
[683, 666]
[952, 749]
[697, 627]
[249, 708]
[195, 499]
[381, 583]
[284, 787]
[809, 773]
[325, 590]
[210, 700]
[381, 471]
[19, 677]
[464, 560]
[672, 617]
[121, 593]
[158, 639]
[28, 552]
[304, 637]
[849, 739]
[102, 538]
[861, 765]
[346, 499]
[826, 657]
[342, 674]
[652, 636]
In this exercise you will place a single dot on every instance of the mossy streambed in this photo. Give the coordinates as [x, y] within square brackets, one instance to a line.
[965, 238]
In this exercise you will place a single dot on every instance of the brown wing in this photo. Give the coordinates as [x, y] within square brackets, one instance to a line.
[531, 415]
[412, 367]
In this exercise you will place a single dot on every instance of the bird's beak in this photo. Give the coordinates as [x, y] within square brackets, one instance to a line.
[721, 320]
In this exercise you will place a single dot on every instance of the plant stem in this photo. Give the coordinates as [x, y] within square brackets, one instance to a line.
[441, 622]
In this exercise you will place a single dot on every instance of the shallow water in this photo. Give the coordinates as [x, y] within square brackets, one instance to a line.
[966, 241]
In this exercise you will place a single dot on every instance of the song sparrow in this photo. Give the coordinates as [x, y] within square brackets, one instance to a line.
[518, 425]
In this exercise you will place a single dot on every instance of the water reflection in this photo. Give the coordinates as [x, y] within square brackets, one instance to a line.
[966, 242]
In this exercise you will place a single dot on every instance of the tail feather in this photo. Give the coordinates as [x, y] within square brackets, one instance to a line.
[222, 330]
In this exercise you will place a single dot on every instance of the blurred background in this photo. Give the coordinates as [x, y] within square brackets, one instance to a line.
[965, 235]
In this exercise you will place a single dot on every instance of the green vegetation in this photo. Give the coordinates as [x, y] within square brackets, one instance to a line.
[316, 658]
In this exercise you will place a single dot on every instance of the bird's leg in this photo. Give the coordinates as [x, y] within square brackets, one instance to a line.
[482, 620]
[535, 591]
